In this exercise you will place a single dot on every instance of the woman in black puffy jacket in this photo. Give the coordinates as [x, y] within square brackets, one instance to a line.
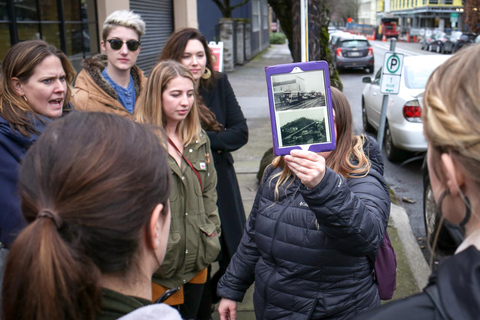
[315, 219]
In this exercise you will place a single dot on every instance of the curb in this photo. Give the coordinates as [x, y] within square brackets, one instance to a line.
[416, 260]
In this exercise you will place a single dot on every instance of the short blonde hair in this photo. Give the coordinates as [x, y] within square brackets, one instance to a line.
[123, 18]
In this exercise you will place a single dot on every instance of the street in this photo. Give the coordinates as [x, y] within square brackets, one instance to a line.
[405, 180]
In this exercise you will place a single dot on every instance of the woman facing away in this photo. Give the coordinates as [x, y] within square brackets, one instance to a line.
[451, 125]
[228, 133]
[168, 101]
[314, 220]
[93, 240]
[34, 90]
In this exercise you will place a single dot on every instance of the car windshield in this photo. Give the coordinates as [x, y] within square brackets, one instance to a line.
[416, 76]
[355, 44]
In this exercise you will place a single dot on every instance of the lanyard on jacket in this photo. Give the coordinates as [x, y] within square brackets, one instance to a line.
[187, 161]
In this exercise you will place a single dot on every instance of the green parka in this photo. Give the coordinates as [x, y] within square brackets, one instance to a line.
[193, 243]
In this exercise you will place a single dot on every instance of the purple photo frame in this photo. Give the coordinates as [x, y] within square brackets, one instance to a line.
[300, 102]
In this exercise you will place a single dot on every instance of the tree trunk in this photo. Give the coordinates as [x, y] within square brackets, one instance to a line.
[288, 13]
[318, 49]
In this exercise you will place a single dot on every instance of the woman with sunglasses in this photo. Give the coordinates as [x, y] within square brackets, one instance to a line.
[111, 82]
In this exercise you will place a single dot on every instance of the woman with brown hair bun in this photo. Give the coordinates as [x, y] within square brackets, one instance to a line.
[96, 201]
[223, 120]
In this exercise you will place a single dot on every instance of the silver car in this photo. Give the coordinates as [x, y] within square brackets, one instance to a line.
[404, 128]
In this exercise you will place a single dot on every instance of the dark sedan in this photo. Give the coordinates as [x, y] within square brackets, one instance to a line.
[354, 52]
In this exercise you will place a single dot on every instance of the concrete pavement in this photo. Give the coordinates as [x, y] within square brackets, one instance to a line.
[249, 84]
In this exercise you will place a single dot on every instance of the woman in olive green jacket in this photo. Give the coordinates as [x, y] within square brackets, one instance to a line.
[195, 228]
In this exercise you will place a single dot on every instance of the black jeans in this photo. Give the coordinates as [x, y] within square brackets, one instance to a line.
[192, 296]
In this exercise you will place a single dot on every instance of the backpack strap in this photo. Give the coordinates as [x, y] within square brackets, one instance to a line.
[432, 293]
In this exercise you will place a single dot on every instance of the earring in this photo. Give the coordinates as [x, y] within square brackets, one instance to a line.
[468, 212]
[207, 74]
[25, 98]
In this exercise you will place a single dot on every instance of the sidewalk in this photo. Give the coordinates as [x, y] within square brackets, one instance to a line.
[250, 88]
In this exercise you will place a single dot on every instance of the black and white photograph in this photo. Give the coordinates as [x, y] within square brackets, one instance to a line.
[302, 127]
[301, 90]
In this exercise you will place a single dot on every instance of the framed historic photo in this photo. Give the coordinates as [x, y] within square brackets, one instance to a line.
[300, 103]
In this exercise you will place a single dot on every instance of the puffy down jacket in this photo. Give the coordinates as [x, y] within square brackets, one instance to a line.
[307, 251]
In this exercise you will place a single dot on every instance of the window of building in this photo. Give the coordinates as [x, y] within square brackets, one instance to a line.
[256, 15]
[265, 15]
[69, 25]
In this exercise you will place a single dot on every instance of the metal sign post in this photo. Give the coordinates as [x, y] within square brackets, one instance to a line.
[304, 29]
[389, 83]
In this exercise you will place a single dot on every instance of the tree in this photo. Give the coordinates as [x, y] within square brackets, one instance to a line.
[288, 13]
[341, 10]
[472, 15]
[226, 8]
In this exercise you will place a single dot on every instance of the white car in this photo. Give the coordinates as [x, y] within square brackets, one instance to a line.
[403, 127]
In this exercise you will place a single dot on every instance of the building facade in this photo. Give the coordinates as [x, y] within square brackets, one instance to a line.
[254, 15]
[421, 14]
[367, 12]
[74, 26]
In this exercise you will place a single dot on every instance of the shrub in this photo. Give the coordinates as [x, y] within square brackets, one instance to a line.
[277, 38]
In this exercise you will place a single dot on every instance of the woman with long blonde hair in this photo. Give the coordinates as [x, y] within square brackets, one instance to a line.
[451, 125]
[315, 219]
[168, 101]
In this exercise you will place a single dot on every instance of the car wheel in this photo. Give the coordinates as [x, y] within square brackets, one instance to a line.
[445, 243]
[393, 153]
[366, 125]
[368, 70]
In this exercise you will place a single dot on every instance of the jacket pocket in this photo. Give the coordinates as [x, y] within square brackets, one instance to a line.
[209, 246]
[170, 263]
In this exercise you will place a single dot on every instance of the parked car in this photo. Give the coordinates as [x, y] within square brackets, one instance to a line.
[465, 40]
[353, 52]
[334, 37]
[403, 128]
[449, 45]
[438, 42]
[426, 41]
[449, 236]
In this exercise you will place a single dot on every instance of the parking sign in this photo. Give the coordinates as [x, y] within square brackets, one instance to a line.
[391, 73]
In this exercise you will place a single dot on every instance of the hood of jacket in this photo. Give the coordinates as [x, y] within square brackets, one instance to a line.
[94, 66]
[458, 280]
[38, 123]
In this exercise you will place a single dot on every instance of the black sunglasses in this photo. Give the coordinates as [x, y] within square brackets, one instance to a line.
[116, 44]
